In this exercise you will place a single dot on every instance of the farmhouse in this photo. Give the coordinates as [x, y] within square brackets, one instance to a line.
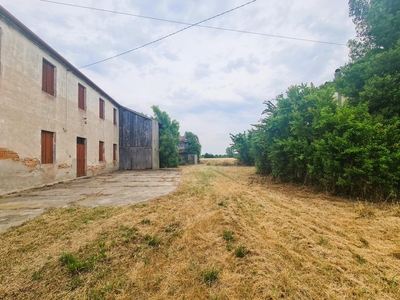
[55, 123]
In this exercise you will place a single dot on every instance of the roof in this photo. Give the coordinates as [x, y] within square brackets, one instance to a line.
[137, 113]
[42, 44]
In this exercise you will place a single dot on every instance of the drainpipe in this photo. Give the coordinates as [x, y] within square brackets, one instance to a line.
[66, 102]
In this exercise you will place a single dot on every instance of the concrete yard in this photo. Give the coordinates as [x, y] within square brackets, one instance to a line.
[112, 189]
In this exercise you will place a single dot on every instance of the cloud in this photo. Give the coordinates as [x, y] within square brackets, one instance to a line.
[201, 71]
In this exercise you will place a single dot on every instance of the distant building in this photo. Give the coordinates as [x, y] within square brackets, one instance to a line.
[55, 123]
[337, 96]
[184, 157]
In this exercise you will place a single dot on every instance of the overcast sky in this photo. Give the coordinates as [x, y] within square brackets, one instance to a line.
[213, 82]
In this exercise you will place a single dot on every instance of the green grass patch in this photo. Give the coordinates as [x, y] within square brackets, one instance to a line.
[241, 251]
[76, 265]
[153, 241]
[210, 275]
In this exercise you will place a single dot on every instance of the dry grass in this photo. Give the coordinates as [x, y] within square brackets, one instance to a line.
[219, 161]
[225, 233]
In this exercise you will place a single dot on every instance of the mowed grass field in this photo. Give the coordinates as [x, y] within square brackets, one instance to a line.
[225, 233]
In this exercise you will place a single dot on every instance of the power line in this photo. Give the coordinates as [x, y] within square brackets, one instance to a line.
[167, 36]
[198, 25]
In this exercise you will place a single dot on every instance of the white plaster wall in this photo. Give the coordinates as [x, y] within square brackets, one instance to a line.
[25, 110]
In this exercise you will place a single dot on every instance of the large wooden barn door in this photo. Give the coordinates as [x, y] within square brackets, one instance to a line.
[135, 141]
[80, 157]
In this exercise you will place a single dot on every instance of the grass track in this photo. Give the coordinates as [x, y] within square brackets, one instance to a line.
[225, 233]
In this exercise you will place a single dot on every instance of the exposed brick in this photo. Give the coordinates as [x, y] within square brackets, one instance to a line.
[6, 154]
[30, 162]
[95, 169]
[64, 166]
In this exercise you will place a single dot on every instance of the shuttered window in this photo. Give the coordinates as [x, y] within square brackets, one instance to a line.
[102, 105]
[47, 147]
[48, 78]
[101, 151]
[81, 97]
[114, 152]
[115, 116]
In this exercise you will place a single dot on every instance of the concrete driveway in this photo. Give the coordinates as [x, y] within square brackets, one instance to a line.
[112, 189]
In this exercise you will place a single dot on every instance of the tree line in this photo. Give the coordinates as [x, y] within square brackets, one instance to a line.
[169, 140]
[307, 136]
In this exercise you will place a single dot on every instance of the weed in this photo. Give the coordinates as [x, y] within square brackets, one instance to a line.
[172, 227]
[153, 241]
[210, 275]
[128, 234]
[322, 241]
[361, 260]
[364, 242]
[70, 210]
[140, 205]
[223, 204]
[228, 236]
[365, 211]
[76, 265]
[145, 222]
[146, 261]
[74, 283]
[241, 251]
[37, 275]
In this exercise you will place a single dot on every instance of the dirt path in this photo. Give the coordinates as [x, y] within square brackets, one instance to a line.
[225, 233]
[113, 189]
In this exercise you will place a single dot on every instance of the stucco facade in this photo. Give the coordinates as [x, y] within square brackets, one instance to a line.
[30, 116]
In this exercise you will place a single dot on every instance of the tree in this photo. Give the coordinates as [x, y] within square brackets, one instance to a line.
[241, 143]
[373, 79]
[169, 139]
[194, 146]
[377, 25]
[230, 152]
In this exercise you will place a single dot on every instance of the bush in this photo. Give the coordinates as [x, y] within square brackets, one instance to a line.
[308, 138]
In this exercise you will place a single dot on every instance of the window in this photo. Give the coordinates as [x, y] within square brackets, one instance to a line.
[114, 152]
[101, 151]
[47, 147]
[115, 116]
[102, 105]
[48, 78]
[81, 97]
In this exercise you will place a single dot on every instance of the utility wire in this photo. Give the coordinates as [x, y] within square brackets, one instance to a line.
[198, 25]
[167, 36]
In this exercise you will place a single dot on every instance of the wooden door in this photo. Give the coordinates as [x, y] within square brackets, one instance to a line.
[80, 157]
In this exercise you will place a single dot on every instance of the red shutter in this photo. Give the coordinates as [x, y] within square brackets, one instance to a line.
[48, 78]
[114, 152]
[101, 151]
[44, 77]
[81, 97]
[47, 147]
[101, 109]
